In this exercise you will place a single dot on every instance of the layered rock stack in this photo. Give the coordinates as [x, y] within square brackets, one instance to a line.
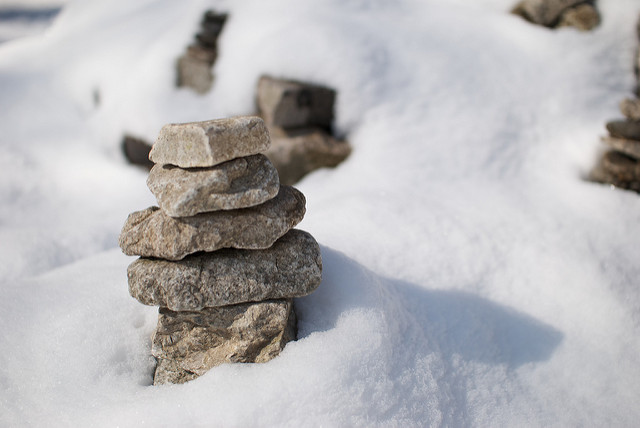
[299, 117]
[581, 14]
[194, 66]
[620, 164]
[219, 256]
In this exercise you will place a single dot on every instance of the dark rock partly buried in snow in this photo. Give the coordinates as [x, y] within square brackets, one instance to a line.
[151, 233]
[187, 344]
[292, 267]
[291, 104]
[137, 151]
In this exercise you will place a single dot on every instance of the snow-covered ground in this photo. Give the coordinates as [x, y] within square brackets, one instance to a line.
[472, 277]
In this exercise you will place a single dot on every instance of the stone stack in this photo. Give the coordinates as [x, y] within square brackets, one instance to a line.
[620, 164]
[580, 14]
[194, 66]
[219, 256]
[299, 117]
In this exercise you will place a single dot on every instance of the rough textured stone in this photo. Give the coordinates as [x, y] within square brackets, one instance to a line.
[290, 104]
[292, 267]
[295, 153]
[584, 17]
[628, 129]
[628, 147]
[136, 151]
[151, 233]
[239, 183]
[187, 344]
[544, 12]
[208, 143]
[630, 108]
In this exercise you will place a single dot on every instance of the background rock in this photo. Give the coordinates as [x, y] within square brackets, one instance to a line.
[239, 183]
[630, 148]
[584, 17]
[151, 233]
[187, 344]
[292, 267]
[624, 129]
[136, 151]
[211, 142]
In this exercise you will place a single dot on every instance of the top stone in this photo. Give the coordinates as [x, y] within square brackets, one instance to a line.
[208, 143]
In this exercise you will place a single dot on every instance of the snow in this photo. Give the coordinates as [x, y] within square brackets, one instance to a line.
[472, 277]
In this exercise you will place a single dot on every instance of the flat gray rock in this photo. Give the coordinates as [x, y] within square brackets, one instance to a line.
[188, 344]
[628, 129]
[152, 233]
[545, 12]
[209, 143]
[292, 267]
[291, 104]
[628, 147]
[630, 107]
[239, 183]
[295, 153]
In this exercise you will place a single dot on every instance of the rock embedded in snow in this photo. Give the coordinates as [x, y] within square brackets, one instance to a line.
[152, 233]
[295, 153]
[190, 343]
[627, 129]
[209, 143]
[290, 104]
[292, 267]
[581, 14]
[238, 183]
[136, 151]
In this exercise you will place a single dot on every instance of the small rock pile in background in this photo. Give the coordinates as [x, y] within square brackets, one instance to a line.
[299, 117]
[219, 255]
[194, 66]
[620, 165]
[581, 14]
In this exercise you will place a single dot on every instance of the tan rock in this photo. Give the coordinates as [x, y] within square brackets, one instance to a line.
[630, 107]
[628, 147]
[239, 183]
[292, 267]
[152, 233]
[544, 12]
[209, 143]
[295, 153]
[188, 344]
[618, 170]
[584, 17]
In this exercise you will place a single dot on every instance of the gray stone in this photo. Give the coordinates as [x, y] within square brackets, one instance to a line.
[295, 153]
[188, 344]
[239, 183]
[292, 267]
[194, 71]
[544, 12]
[208, 143]
[630, 107]
[290, 104]
[628, 147]
[152, 233]
[584, 17]
[628, 129]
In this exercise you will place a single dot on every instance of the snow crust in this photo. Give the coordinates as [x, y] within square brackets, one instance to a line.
[472, 277]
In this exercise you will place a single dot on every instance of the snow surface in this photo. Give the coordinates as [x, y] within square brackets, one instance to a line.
[472, 277]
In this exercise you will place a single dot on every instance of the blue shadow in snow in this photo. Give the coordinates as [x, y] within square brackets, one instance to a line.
[450, 322]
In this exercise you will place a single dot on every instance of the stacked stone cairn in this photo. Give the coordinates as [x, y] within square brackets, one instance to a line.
[219, 256]
[620, 164]
[299, 117]
[194, 66]
[580, 14]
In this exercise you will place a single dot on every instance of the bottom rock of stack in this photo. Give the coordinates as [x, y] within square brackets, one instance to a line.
[187, 344]
[619, 170]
